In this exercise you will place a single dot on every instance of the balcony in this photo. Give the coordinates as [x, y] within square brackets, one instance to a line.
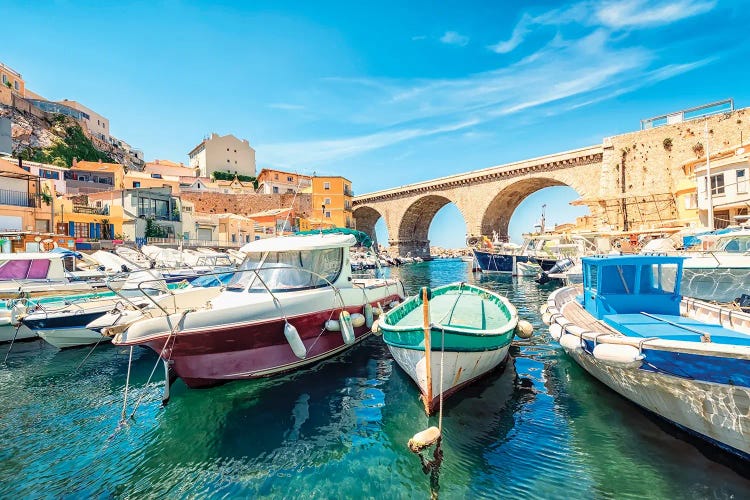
[18, 198]
[84, 209]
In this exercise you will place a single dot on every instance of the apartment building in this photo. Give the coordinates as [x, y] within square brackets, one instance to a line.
[272, 181]
[728, 182]
[12, 79]
[332, 202]
[22, 207]
[223, 154]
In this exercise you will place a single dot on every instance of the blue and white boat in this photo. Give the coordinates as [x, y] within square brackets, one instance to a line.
[685, 360]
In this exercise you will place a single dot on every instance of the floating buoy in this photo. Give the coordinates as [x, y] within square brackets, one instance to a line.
[524, 329]
[368, 315]
[570, 342]
[333, 326]
[295, 341]
[619, 355]
[546, 318]
[347, 329]
[423, 439]
[375, 328]
[358, 320]
[555, 331]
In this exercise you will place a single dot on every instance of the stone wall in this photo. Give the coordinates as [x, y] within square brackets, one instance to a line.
[651, 161]
[246, 204]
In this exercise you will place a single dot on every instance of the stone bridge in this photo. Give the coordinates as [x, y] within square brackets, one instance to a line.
[486, 198]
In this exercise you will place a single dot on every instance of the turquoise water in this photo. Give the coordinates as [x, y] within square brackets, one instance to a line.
[540, 429]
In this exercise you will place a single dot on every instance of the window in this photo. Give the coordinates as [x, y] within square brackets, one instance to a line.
[326, 185]
[234, 238]
[5, 79]
[287, 271]
[136, 184]
[81, 230]
[717, 184]
[228, 160]
[276, 177]
[691, 201]
[15, 84]
[227, 150]
[742, 180]
[289, 178]
[328, 215]
[48, 174]
[618, 280]
[276, 189]
[327, 201]
[156, 176]
[235, 150]
[658, 278]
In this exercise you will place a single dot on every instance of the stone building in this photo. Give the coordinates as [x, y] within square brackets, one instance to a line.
[223, 154]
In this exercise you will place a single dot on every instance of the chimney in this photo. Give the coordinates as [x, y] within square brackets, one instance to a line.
[75, 161]
[100, 160]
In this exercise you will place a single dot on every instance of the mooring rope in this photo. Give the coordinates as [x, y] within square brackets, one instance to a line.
[127, 385]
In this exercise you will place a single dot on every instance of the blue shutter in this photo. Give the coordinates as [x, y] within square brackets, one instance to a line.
[98, 228]
[112, 231]
[71, 229]
[92, 229]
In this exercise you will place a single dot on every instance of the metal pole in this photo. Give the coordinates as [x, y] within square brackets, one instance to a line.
[708, 183]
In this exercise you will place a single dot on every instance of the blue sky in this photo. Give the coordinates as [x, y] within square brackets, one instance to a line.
[384, 93]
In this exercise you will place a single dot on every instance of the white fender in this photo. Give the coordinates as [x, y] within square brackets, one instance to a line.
[619, 355]
[546, 317]
[368, 315]
[347, 329]
[524, 329]
[375, 327]
[333, 326]
[358, 320]
[17, 313]
[555, 331]
[295, 342]
[570, 342]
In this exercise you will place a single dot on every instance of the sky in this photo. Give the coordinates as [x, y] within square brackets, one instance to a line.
[385, 93]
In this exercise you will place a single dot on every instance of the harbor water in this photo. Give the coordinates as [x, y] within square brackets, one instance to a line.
[542, 428]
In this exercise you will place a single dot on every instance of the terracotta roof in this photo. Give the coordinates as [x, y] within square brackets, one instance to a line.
[95, 166]
[167, 163]
[9, 167]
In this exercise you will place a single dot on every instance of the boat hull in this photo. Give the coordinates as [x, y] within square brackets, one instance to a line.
[210, 356]
[491, 262]
[65, 338]
[8, 332]
[455, 370]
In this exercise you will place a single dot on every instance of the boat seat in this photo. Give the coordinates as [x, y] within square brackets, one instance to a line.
[641, 325]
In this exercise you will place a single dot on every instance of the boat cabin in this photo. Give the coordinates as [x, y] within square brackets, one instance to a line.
[294, 263]
[632, 284]
[32, 266]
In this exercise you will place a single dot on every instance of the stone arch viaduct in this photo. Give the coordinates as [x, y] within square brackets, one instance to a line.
[486, 198]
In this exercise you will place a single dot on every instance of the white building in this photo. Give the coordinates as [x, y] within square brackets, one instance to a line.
[729, 187]
[223, 154]
[95, 123]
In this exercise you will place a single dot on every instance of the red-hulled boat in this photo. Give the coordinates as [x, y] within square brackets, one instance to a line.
[292, 303]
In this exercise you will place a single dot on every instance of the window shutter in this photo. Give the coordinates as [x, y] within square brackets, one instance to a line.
[71, 229]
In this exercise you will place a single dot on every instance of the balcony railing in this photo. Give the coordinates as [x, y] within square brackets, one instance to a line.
[17, 198]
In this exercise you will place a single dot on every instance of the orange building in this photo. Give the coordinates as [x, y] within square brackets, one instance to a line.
[279, 182]
[12, 79]
[332, 201]
[24, 202]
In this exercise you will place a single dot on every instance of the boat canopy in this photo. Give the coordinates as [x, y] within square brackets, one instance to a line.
[300, 243]
[632, 284]
[362, 238]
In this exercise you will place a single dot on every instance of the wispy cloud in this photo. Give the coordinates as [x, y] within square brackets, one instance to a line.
[286, 106]
[454, 38]
[612, 15]
[596, 62]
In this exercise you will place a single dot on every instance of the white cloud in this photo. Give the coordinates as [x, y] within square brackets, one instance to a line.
[613, 15]
[643, 14]
[454, 38]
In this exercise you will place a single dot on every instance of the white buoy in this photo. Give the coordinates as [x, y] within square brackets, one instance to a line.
[570, 342]
[295, 341]
[555, 331]
[358, 320]
[333, 326]
[422, 440]
[375, 328]
[347, 329]
[524, 329]
[619, 355]
[368, 315]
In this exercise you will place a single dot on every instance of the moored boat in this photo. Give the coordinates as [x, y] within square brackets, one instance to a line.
[291, 304]
[466, 329]
[685, 360]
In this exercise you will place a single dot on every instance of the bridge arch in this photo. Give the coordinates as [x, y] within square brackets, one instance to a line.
[500, 209]
[414, 226]
[365, 218]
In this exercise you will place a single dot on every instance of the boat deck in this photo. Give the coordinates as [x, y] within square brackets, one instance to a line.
[670, 327]
[464, 310]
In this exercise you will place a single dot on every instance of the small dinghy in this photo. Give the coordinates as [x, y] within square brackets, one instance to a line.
[685, 360]
[466, 329]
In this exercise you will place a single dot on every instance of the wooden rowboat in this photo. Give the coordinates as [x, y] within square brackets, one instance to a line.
[466, 329]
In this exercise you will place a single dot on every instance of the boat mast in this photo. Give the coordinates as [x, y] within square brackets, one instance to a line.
[709, 187]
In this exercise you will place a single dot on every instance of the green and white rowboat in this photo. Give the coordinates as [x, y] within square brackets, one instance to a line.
[469, 327]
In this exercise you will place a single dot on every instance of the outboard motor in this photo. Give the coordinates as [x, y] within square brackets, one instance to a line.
[560, 266]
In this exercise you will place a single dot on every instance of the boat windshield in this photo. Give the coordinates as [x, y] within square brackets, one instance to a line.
[288, 271]
[734, 244]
